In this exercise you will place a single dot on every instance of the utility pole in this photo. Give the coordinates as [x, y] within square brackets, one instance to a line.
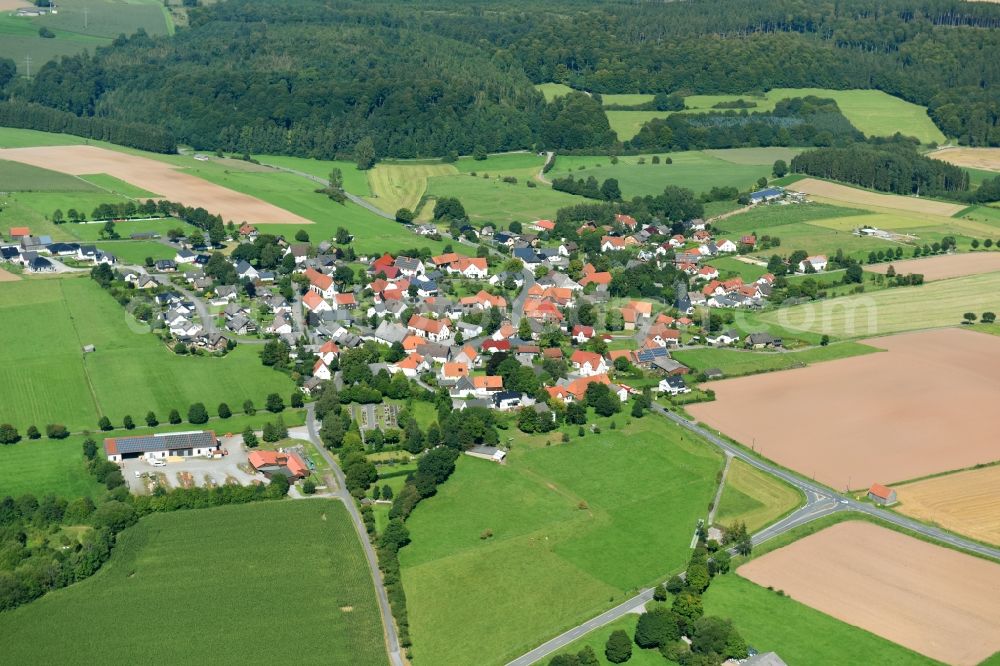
[27, 65]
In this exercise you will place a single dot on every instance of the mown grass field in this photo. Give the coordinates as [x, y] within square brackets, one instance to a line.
[799, 634]
[564, 518]
[309, 577]
[92, 232]
[940, 303]
[355, 180]
[45, 466]
[135, 252]
[500, 163]
[735, 363]
[400, 185]
[75, 32]
[754, 498]
[18, 177]
[872, 111]
[34, 210]
[698, 171]
[45, 377]
[749, 272]
[492, 200]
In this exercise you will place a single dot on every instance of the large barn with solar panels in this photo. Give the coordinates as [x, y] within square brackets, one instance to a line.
[184, 444]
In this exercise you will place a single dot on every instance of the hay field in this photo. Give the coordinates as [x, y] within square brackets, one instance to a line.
[943, 266]
[936, 601]
[852, 195]
[396, 186]
[155, 176]
[974, 158]
[875, 418]
[940, 303]
[965, 502]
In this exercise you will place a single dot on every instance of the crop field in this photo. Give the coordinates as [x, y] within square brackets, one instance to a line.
[965, 502]
[940, 303]
[396, 186]
[564, 518]
[553, 90]
[18, 177]
[130, 373]
[852, 195]
[986, 159]
[933, 600]
[492, 200]
[878, 422]
[155, 176]
[943, 267]
[105, 20]
[753, 497]
[737, 362]
[799, 634]
[698, 171]
[118, 186]
[216, 557]
[355, 180]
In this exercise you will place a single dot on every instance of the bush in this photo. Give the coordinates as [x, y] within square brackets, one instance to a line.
[8, 434]
[128, 423]
[33, 433]
[274, 403]
[104, 423]
[197, 413]
[249, 438]
[224, 411]
[618, 649]
[175, 417]
[57, 431]
[308, 487]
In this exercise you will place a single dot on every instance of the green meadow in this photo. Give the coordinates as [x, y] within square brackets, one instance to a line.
[355, 180]
[118, 186]
[553, 90]
[560, 520]
[309, 577]
[490, 199]
[754, 498]
[19, 177]
[697, 171]
[46, 378]
[737, 362]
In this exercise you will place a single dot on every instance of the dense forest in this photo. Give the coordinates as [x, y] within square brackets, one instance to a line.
[439, 77]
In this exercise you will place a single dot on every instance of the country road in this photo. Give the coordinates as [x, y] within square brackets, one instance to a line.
[820, 501]
[353, 197]
[392, 638]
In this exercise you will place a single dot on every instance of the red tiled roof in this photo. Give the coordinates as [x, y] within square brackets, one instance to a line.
[318, 280]
[880, 491]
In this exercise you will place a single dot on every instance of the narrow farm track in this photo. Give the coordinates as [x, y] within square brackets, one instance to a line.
[820, 501]
[392, 637]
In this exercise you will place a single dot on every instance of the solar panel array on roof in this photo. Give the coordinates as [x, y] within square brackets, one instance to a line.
[167, 442]
[648, 355]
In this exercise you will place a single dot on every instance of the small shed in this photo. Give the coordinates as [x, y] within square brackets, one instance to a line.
[87, 349]
[881, 495]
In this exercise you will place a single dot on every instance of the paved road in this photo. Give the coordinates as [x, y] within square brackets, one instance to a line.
[392, 638]
[517, 307]
[207, 320]
[820, 501]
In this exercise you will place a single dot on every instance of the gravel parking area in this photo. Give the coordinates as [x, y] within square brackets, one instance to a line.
[204, 472]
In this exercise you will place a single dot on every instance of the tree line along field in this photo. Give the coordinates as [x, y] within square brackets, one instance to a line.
[697, 171]
[309, 580]
[75, 32]
[46, 378]
[560, 520]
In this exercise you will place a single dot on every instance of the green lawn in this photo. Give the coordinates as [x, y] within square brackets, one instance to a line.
[698, 171]
[726, 265]
[45, 378]
[92, 232]
[308, 577]
[553, 90]
[754, 498]
[118, 186]
[355, 180]
[564, 519]
[135, 252]
[799, 634]
[19, 177]
[940, 303]
[492, 200]
[45, 466]
[734, 362]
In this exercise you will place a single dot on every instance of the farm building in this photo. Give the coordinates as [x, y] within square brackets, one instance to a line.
[770, 194]
[487, 453]
[185, 444]
[279, 462]
[881, 495]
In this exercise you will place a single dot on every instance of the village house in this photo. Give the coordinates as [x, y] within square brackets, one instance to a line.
[435, 330]
[587, 363]
[673, 385]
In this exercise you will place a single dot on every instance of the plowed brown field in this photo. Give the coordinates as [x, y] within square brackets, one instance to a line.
[861, 198]
[944, 266]
[155, 176]
[936, 601]
[881, 418]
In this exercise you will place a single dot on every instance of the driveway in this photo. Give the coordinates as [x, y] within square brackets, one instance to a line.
[203, 470]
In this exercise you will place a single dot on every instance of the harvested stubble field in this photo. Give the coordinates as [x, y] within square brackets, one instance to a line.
[965, 502]
[933, 600]
[876, 418]
[396, 186]
[154, 176]
[973, 158]
[7, 276]
[944, 266]
[858, 197]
